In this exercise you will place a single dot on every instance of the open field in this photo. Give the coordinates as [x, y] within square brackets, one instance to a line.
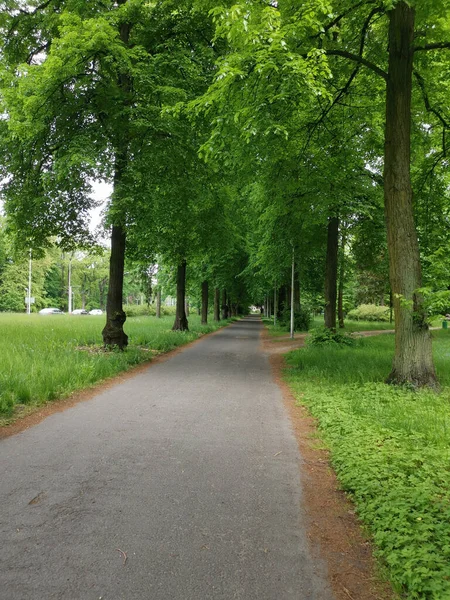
[391, 450]
[49, 357]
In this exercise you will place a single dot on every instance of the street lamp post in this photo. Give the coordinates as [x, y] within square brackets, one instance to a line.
[70, 285]
[29, 285]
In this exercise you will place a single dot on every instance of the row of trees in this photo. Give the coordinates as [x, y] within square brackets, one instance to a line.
[238, 136]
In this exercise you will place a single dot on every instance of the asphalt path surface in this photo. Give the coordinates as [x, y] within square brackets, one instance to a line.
[181, 483]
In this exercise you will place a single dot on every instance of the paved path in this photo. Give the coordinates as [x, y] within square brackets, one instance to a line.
[190, 468]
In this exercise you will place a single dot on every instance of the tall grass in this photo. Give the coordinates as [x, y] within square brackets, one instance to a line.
[48, 357]
[391, 450]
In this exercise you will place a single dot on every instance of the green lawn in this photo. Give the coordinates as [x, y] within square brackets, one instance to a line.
[391, 450]
[350, 326]
[49, 357]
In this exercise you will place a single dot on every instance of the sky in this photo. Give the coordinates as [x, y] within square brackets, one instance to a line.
[101, 192]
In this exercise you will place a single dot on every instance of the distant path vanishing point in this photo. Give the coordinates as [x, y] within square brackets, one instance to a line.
[181, 483]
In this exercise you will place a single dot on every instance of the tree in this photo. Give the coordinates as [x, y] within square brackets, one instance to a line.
[266, 45]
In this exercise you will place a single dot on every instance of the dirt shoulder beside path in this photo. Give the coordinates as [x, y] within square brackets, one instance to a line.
[332, 522]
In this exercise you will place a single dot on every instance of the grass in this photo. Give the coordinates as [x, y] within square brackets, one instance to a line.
[350, 326]
[390, 448]
[49, 357]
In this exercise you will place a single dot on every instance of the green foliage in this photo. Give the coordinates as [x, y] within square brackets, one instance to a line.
[390, 449]
[369, 312]
[302, 319]
[327, 337]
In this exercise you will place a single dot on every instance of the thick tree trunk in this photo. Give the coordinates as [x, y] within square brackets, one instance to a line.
[158, 303]
[216, 304]
[181, 322]
[413, 362]
[205, 294]
[224, 305]
[331, 273]
[113, 333]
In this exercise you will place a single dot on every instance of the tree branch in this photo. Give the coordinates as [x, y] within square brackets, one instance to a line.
[435, 46]
[434, 111]
[339, 18]
[359, 59]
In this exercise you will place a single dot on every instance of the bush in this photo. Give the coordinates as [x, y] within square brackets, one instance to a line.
[302, 319]
[325, 336]
[143, 310]
[369, 312]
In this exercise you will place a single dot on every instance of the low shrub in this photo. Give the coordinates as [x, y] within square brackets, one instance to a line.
[369, 312]
[302, 319]
[326, 336]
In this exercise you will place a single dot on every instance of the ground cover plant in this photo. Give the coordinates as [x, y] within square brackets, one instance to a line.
[390, 447]
[49, 357]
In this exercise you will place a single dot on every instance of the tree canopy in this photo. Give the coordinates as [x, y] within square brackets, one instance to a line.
[236, 135]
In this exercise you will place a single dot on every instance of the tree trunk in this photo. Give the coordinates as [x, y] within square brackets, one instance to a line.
[282, 300]
[216, 304]
[391, 307]
[224, 305]
[158, 303]
[341, 283]
[413, 362]
[113, 333]
[205, 294]
[181, 322]
[331, 273]
[297, 305]
[275, 307]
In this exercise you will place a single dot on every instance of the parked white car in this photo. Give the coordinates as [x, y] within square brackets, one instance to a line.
[80, 311]
[51, 311]
[96, 311]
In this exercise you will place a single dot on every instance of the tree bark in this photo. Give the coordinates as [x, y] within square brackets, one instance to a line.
[275, 305]
[297, 304]
[413, 362]
[158, 303]
[113, 333]
[224, 305]
[331, 273]
[181, 322]
[205, 293]
[216, 304]
[341, 283]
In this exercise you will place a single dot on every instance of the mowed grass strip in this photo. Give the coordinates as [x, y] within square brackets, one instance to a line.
[48, 357]
[390, 448]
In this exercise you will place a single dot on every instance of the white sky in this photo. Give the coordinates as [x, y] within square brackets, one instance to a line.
[101, 192]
